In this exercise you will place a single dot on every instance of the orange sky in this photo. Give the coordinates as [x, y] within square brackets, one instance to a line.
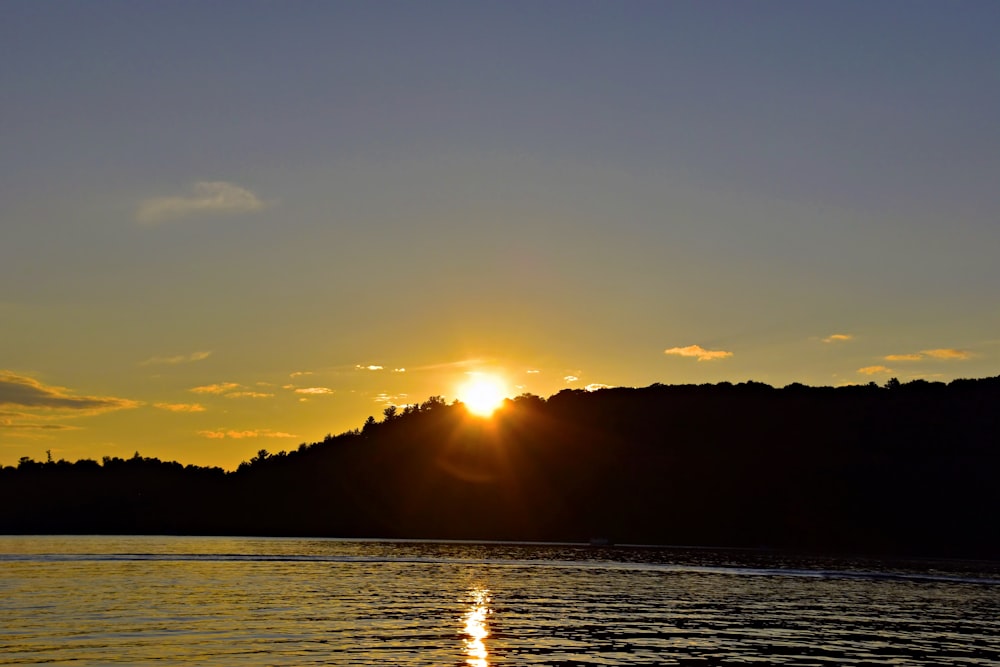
[232, 226]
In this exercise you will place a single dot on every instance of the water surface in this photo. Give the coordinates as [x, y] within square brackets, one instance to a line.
[253, 601]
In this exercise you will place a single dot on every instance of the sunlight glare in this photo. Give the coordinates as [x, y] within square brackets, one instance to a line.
[482, 394]
[475, 628]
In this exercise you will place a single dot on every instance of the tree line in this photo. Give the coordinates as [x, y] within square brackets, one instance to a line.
[904, 468]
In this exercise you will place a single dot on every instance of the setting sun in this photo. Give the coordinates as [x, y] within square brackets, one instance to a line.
[482, 394]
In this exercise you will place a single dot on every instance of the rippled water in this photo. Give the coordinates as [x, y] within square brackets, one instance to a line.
[251, 601]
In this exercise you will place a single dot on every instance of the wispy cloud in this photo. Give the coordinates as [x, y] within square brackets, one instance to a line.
[874, 370]
[371, 367]
[212, 197]
[904, 357]
[28, 423]
[838, 338]
[398, 370]
[944, 354]
[455, 365]
[180, 407]
[219, 388]
[570, 378]
[36, 427]
[532, 371]
[698, 352]
[949, 354]
[177, 359]
[220, 434]
[231, 390]
[594, 386]
[299, 374]
[391, 399]
[28, 392]
[314, 391]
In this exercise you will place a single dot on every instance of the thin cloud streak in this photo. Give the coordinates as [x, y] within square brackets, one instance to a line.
[903, 357]
[838, 338]
[448, 365]
[220, 434]
[874, 370]
[948, 354]
[212, 197]
[177, 359]
[698, 352]
[180, 407]
[37, 427]
[219, 388]
[942, 354]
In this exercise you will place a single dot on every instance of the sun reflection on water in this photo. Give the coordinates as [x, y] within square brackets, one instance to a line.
[475, 628]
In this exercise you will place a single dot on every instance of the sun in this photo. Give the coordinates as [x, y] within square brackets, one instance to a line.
[482, 394]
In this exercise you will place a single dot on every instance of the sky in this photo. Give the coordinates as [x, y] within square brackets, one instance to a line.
[234, 226]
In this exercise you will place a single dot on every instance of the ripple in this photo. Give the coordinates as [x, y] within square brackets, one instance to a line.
[183, 601]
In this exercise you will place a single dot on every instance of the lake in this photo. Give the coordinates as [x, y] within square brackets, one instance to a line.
[258, 601]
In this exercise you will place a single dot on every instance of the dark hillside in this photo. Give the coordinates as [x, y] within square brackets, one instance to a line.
[905, 468]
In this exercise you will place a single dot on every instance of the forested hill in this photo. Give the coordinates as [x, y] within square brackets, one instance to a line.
[911, 468]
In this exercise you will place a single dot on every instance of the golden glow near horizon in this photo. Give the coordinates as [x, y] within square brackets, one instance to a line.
[475, 628]
[483, 393]
[233, 287]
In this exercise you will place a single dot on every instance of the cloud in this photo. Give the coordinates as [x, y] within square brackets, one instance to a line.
[874, 370]
[220, 434]
[398, 370]
[904, 357]
[314, 391]
[837, 338]
[37, 406]
[28, 392]
[299, 374]
[371, 367]
[398, 400]
[37, 427]
[229, 390]
[180, 407]
[212, 197]
[948, 354]
[220, 388]
[532, 371]
[594, 386]
[464, 363]
[945, 354]
[570, 378]
[698, 352]
[178, 359]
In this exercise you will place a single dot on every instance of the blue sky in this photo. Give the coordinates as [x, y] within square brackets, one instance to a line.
[211, 194]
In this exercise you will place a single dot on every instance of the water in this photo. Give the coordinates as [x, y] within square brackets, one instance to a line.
[252, 601]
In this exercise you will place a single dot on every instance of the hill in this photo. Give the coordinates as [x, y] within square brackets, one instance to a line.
[908, 468]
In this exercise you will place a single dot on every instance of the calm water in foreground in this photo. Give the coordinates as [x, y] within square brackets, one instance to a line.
[252, 601]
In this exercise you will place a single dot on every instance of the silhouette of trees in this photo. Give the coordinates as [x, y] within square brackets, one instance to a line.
[905, 468]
